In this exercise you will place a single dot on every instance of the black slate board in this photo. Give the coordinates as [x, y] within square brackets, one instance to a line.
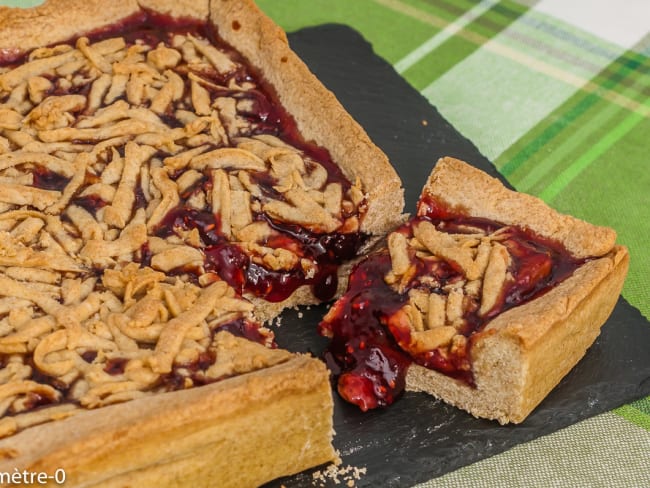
[420, 438]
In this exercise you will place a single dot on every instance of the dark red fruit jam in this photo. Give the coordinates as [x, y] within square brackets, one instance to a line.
[246, 329]
[48, 180]
[371, 367]
[367, 333]
[265, 116]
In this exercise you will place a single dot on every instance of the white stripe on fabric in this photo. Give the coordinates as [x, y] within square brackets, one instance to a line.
[624, 22]
[421, 51]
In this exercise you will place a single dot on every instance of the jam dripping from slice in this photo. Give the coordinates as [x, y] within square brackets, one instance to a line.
[370, 337]
[371, 367]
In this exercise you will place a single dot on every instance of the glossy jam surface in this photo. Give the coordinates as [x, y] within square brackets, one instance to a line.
[235, 267]
[246, 329]
[371, 368]
[370, 339]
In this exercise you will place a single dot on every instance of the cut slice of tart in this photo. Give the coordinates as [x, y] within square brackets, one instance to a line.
[171, 176]
[485, 299]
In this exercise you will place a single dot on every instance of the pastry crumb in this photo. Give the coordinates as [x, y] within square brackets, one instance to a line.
[338, 474]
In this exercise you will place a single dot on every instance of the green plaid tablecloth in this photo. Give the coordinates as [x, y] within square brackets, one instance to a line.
[556, 94]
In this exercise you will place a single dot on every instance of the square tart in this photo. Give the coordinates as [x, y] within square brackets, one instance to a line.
[485, 299]
[171, 176]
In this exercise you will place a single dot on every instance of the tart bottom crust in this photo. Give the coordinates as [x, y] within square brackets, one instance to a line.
[524, 353]
[243, 431]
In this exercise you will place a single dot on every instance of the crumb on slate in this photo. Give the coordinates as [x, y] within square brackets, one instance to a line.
[338, 474]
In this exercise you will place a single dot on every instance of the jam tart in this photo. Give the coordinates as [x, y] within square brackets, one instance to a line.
[171, 176]
[485, 299]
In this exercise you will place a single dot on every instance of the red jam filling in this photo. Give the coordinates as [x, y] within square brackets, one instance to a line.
[265, 116]
[245, 329]
[48, 180]
[235, 267]
[115, 366]
[370, 342]
[370, 366]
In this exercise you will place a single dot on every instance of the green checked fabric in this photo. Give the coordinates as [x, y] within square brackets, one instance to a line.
[556, 93]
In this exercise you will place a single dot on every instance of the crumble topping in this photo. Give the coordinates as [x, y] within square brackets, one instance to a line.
[147, 185]
[438, 308]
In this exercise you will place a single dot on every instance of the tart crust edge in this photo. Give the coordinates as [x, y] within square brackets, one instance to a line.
[264, 420]
[474, 193]
[266, 47]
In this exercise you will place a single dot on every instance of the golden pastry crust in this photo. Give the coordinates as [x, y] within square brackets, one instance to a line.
[243, 431]
[22, 30]
[523, 353]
